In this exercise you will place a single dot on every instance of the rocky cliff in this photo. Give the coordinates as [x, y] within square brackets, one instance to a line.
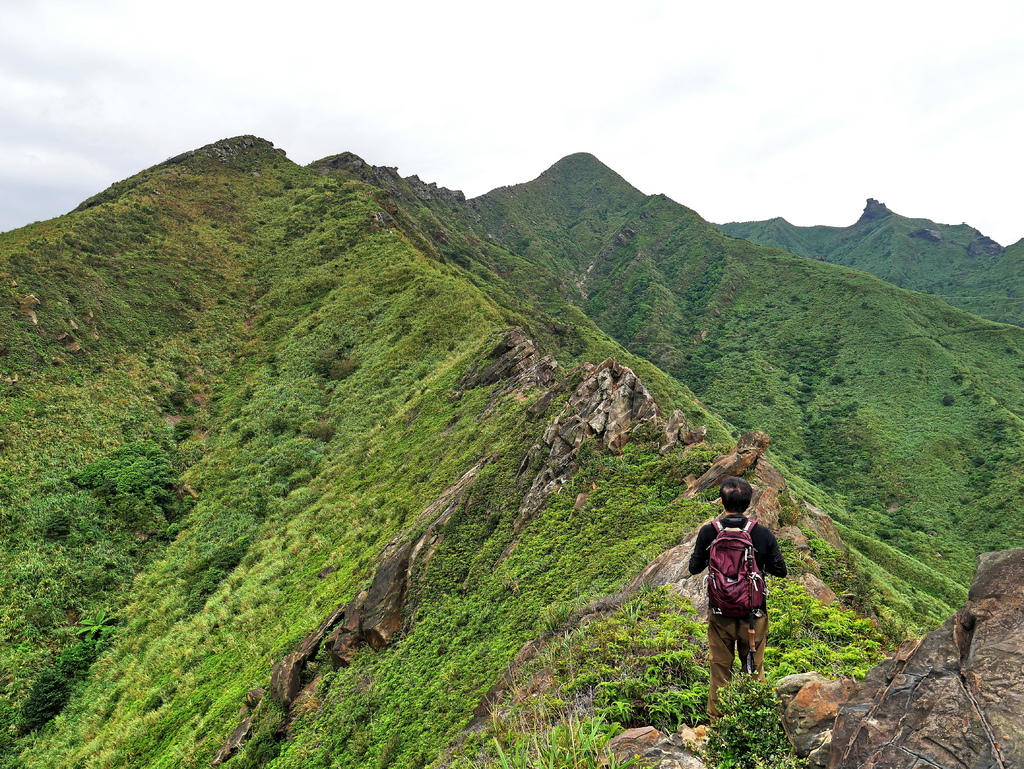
[953, 700]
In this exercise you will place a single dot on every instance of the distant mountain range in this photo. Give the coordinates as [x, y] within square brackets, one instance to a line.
[956, 263]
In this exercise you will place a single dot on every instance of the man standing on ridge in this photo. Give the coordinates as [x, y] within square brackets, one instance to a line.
[729, 636]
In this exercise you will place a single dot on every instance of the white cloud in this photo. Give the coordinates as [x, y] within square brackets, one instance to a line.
[742, 110]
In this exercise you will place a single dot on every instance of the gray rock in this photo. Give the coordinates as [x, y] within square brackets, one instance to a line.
[957, 698]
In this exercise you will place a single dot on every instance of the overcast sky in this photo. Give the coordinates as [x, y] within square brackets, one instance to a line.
[740, 110]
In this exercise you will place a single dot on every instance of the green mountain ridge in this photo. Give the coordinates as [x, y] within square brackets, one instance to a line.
[231, 386]
[957, 263]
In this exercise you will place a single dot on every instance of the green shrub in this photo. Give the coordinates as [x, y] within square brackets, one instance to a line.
[134, 480]
[55, 685]
[749, 734]
[806, 634]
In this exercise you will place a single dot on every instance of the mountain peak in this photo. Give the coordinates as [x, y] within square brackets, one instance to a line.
[873, 211]
[227, 149]
[582, 168]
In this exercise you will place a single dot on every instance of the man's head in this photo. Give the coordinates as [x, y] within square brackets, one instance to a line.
[736, 494]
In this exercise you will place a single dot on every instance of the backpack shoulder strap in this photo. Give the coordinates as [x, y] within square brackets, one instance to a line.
[750, 525]
[718, 525]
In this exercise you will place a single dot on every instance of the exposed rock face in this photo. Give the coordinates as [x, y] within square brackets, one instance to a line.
[235, 741]
[430, 191]
[822, 525]
[983, 245]
[818, 589]
[376, 614]
[609, 404]
[932, 236]
[284, 680]
[389, 178]
[28, 306]
[957, 699]
[226, 149]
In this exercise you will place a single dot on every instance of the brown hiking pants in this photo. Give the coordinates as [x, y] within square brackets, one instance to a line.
[729, 638]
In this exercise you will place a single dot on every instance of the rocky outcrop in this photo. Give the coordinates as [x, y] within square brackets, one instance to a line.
[982, 245]
[227, 149]
[677, 433]
[375, 615]
[873, 211]
[285, 679]
[607, 405]
[749, 449]
[388, 178]
[515, 363]
[956, 700]
[28, 306]
[932, 236]
[235, 742]
[820, 524]
[431, 191]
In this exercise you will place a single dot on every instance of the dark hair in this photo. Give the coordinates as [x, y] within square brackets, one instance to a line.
[736, 494]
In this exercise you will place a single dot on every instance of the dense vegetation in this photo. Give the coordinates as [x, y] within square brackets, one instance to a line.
[229, 382]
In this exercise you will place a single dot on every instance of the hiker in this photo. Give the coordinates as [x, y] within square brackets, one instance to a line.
[729, 636]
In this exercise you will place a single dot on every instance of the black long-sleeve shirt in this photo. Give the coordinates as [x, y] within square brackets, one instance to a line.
[766, 546]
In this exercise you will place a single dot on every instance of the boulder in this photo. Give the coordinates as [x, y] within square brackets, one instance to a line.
[810, 703]
[634, 743]
[957, 698]
[654, 749]
[818, 589]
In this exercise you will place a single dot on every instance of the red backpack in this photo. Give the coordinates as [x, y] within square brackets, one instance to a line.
[736, 587]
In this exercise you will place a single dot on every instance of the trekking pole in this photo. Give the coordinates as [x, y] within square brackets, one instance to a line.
[750, 644]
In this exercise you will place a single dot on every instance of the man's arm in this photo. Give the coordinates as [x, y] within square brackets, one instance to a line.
[775, 563]
[701, 550]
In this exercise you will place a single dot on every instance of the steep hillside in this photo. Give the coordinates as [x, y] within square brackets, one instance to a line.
[265, 384]
[954, 262]
[907, 408]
